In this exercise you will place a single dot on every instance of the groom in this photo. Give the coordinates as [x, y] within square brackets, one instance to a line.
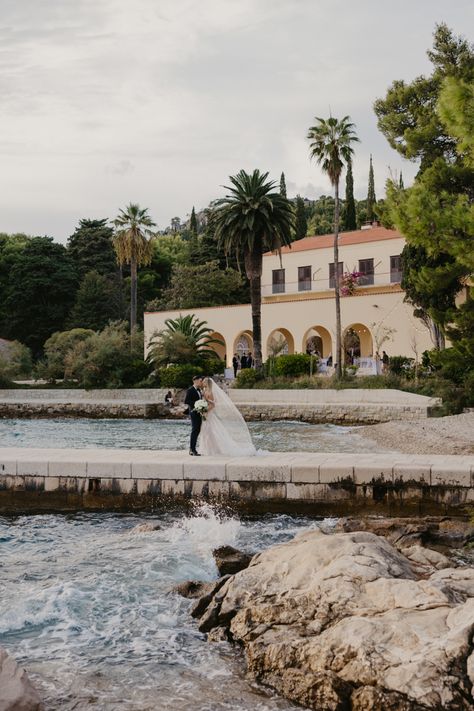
[193, 394]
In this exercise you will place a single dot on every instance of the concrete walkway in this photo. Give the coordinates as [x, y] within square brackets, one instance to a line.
[276, 467]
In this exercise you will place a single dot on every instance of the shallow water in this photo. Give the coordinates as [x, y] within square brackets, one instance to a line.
[172, 434]
[86, 607]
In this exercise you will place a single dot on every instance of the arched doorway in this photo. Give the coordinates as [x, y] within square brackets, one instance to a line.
[357, 343]
[317, 340]
[280, 342]
[243, 343]
[219, 350]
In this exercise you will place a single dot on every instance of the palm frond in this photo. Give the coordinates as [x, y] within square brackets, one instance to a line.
[331, 144]
[134, 238]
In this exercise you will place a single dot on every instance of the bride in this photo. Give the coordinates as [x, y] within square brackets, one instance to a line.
[224, 430]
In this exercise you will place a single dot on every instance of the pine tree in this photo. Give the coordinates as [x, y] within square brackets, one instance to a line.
[91, 247]
[97, 302]
[282, 185]
[400, 182]
[371, 199]
[301, 225]
[193, 225]
[350, 221]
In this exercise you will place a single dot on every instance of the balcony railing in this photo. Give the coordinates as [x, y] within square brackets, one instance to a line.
[323, 283]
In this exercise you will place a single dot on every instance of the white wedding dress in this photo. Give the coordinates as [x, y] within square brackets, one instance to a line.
[224, 431]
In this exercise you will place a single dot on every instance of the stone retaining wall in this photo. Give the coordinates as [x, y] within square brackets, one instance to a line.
[317, 484]
[349, 414]
[349, 406]
[92, 410]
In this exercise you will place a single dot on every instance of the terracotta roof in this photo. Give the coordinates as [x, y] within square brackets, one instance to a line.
[374, 234]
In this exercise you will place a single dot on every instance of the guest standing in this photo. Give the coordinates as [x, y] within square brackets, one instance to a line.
[235, 364]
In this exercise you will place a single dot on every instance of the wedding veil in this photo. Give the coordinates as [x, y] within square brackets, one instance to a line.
[230, 417]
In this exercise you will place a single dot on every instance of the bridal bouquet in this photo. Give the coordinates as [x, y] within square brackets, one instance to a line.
[201, 407]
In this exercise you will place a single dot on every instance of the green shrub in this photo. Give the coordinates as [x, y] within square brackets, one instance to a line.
[210, 366]
[291, 366]
[108, 359]
[400, 365]
[15, 361]
[56, 348]
[137, 371]
[177, 376]
[5, 382]
[247, 378]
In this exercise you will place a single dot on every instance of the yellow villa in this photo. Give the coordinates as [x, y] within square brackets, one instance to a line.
[298, 310]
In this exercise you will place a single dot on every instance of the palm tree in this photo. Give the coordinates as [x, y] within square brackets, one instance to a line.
[132, 246]
[251, 220]
[331, 145]
[183, 339]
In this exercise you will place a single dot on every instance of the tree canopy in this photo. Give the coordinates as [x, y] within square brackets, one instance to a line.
[436, 214]
[40, 292]
[252, 219]
[408, 116]
[200, 285]
[91, 247]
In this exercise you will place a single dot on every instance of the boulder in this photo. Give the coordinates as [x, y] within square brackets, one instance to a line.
[192, 589]
[229, 560]
[147, 527]
[346, 621]
[16, 691]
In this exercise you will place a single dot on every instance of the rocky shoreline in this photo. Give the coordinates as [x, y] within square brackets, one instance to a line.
[361, 617]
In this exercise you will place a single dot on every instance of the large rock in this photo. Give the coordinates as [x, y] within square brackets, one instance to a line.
[346, 621]
[16, 691]
[229, 560]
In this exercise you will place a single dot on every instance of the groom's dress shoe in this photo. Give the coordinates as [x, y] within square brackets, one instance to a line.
[194, 454]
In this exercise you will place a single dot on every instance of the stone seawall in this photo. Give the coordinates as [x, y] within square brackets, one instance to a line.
[332, 413]
[317, 484]
[315, 406]
[92, 410]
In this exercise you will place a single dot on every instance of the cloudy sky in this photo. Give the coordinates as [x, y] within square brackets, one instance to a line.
[104, 102]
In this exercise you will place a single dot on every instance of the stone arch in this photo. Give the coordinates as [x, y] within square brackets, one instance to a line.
[357, 342]
[243, 343]
[282, 340]
[318, 339]
[219, 350]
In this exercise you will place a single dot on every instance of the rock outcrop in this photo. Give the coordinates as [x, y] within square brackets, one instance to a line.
[431, 531]
[16, 691]
[346, 621]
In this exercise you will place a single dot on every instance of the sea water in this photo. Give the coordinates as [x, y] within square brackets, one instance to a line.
[174, 434]
[86, 605]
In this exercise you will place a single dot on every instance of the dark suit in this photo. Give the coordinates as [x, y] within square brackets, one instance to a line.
[193, 394]
[235, 365]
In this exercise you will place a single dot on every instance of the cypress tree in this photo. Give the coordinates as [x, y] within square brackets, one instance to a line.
[350, 221]
[193, 225]
[282, 185]
[371, 199]
[400, 182]
[301, 225]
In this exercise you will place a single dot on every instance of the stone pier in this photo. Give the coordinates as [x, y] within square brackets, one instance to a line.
[311, 483]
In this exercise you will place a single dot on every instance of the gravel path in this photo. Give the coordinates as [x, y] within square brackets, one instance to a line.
[437, 435]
